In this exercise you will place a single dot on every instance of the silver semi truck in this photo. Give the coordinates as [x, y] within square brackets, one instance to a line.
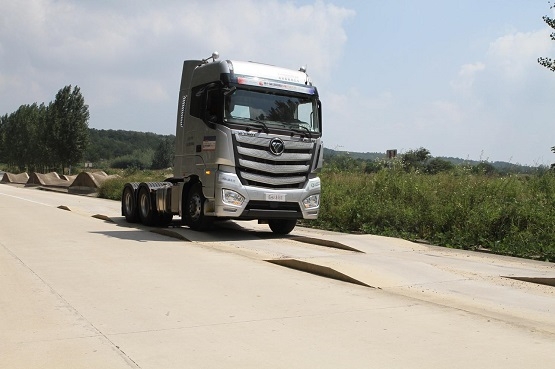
[248, 146]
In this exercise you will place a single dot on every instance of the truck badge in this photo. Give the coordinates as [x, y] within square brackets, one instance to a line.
[277, 146]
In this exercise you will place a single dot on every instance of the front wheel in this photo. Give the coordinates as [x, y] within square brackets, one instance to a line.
[193, 209]
[282, 226]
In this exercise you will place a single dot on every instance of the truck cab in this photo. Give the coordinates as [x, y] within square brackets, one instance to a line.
[248, 146]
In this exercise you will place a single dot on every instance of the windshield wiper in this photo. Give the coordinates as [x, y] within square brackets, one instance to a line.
[259, 124]
[254, 123]
[300, 129]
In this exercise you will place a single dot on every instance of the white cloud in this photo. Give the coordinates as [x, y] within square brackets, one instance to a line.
[466, 77]
[506, 99]
[127, 52]
[354, 112]
[447, 113]
[516, 53]
[359, 122]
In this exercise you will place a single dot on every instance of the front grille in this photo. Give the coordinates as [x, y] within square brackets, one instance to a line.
[257, 166]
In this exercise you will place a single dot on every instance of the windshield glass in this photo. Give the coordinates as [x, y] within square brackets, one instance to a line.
[272, 110]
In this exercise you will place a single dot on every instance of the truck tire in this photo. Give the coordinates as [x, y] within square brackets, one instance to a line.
[282, 226]
[193, 209]
[146, 212]
[129, 205]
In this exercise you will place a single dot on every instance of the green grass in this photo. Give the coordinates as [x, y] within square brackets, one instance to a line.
[510, 215]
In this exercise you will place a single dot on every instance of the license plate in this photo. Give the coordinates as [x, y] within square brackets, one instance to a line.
[275, 197]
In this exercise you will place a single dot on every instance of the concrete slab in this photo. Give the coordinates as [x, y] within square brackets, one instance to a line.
[51, 179]
[159, 302]
[88, 182]
[40, 329]
[20, 178]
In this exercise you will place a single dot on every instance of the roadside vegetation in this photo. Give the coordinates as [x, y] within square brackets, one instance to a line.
[44, 138]
[40, 138]
[421, 198]
[129, 150]
[467, 207]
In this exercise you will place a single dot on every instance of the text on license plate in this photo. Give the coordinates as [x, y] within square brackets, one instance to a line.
[275, 197]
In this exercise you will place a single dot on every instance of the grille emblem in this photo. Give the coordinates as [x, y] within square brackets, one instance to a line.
[277, 146]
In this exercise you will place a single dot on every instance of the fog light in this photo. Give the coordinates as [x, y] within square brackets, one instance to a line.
[312, 201]
[232, 198]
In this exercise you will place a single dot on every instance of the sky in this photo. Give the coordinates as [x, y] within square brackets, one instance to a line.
[459, 78]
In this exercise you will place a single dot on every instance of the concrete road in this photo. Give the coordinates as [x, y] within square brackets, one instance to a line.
[78, 291]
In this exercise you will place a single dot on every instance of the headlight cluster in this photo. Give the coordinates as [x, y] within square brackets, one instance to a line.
[232, 197]
[312, 201]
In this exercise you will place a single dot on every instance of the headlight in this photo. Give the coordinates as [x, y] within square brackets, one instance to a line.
[312, 201]
[232, 198]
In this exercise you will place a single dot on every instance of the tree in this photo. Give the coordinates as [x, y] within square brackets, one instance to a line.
[3, 153]
[68, 126]
[484, 168]
[163, 156]
[45, 157]
[344, 162]
[21, 138]
[438, 165]
[415, 159]
[548, 62]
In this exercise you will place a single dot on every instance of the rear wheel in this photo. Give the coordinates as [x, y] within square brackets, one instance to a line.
[129, 205]
[146, 212]
[282, 226]
[193, 209]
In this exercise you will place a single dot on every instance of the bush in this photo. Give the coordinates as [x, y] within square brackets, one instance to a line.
[138, 160]
[512, 215]
[438, 165]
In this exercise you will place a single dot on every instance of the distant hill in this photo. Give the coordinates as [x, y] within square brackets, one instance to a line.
[355, 155]
[501, 166]
[110, 144]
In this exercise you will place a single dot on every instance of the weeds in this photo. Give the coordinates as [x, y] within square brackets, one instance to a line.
[511, 215]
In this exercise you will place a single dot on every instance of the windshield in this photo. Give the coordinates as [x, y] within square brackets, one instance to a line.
[268, 109]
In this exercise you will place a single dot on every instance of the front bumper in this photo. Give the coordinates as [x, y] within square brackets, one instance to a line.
[266, 203]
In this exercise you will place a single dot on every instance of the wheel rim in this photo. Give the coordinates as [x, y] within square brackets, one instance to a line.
[128, 203]
[195, 207]
[144, 205]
